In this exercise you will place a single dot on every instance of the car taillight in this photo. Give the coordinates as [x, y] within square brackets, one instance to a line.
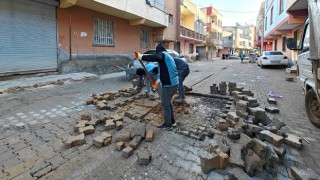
[264, 58]
[285, 57]
[297, 70]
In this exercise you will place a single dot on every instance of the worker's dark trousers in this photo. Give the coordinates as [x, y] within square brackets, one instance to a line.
[166, 101]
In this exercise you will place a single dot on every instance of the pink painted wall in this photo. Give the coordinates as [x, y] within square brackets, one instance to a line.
[126, 37]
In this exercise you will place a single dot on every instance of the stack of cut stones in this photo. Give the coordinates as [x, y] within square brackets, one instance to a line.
[223, 88]
[214, 89]
[232, 87]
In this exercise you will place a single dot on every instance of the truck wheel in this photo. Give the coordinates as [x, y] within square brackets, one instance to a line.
[313, 107]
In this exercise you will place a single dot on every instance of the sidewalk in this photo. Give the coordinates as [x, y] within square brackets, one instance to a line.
[32, 82]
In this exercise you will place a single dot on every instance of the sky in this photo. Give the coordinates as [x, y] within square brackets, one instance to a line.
[233, 11]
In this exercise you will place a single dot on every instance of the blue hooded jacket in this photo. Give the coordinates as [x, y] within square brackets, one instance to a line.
[167, 66]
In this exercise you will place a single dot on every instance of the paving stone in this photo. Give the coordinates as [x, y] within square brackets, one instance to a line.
[26, 154]
[235, 155]
[120, 146]
[18, 146]
[271, 109]
[233, 134]
[144, 157]
[272, 138]
[255, 128]
[123, 137]
[149, 136]
[127, 152]
[116, 117]
[107, 142]
[94, 122]
[280, 151]
[56, 161]
[20, 126]
[272, 101]
[38, 166]
[135, 142]
[242, 113]
[139, 130]
[253, 162]
[110, 125]
[80, 124]
[87, 130]
[209, 162]
[26, 175]
[119, 125]
[301, 174]
[10, 162]
[293, 141]
[16, 170]
[241, 104]
[75, 140]
[222, 125]
[42, 171]
[102, 140]
[233, 116]
[223, 160]
[258, 113]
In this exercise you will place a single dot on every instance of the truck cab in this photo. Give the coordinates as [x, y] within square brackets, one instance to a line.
[308, 64]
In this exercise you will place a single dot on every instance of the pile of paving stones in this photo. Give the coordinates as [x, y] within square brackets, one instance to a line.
[252, 138]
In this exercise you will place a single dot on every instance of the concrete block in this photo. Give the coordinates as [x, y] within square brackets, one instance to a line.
[75, 140]
[149, 136]
[233, 116]
[144, 157]
[94, 122]
[120, 146]
[209, 162]
[85, 117]
[116, 117]
[253, 162]
[107, 141]
[241, 104]
[127, 152]
[272, 138]
[135, 142]
[223, 160]
[255, 129]
[123, 137]
[301, 174]
[87, 130]
[238, 173]
[271, 109]
[139, 130]
[110, 125]
[293, 141]
[233, 134]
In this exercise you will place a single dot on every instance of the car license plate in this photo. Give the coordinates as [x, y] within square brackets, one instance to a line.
[275, 61]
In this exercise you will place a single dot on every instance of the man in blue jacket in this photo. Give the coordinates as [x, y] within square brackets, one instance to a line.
[169, 80]
[183, 72]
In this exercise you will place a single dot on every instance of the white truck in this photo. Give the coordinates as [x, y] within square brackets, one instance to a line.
[308, 65]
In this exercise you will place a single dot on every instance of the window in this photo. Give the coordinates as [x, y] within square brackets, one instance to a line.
[284, 43]
[170, 19]
[266, 24]
[275, 44]
[190, 48]
[144, 38]
[271, 16]
[103, 32]
[306, 39]
[281, 6]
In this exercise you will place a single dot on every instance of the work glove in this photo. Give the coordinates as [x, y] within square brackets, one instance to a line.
[137, 56]
[154, 85]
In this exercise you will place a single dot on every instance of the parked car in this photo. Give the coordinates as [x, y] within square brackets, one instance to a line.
[233, 56]
[173, 53]
[272, 58]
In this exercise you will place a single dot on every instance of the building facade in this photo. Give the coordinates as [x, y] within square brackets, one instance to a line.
[243, 40]
[259, 35]
[283, 19]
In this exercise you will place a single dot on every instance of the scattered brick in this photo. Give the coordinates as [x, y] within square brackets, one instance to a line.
[272, 138]
[135, 142]
[85, 117]
[149, 136]
[80, 124]
[271, 109]
[233, 116]
[241, 104]
[120, 146]
[255, 128]
[75, 140]
[123, 137]
[238, 173]
[119, 125]
[139, 130]
[253, 162]
[100, 140]
[94, 122]
[233, 134]
[110, 125]
[294, 141]
[289, 79]
[144, 157]
[223, 160]
[116, 117]
[300, 174]
[222, 125]
[102, 105]
[127, 152]
[86, 130]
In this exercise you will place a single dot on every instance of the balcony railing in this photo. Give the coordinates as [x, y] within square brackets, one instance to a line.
[213, 41]
[192, 34]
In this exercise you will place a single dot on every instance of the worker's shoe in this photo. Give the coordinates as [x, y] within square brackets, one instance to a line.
[180, 101]
[146, 96]
[166, 127]
[173, 125]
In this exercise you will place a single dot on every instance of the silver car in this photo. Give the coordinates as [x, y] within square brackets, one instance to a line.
[273, 58]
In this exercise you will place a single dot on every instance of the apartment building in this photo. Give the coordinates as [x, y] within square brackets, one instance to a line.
[259, 36]
[243, 38]
[213, 32]
[192, 32]
[227, 43]
[283, 19]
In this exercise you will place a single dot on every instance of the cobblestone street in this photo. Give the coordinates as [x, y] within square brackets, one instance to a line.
[34, 125]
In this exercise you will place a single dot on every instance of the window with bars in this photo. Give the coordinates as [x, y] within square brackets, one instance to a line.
[281, 8]
[170, 19]
[190, 48]
[103, 32]
[144, 38]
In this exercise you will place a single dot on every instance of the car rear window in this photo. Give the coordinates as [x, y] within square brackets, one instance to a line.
[273, 53]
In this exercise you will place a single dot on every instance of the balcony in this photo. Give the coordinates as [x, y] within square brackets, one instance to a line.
[213, 41]
[212, 27]
[188, 34]
[138, 12]
[187, 8]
